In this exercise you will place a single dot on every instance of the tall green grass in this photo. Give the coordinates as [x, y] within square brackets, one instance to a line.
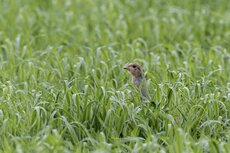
[63, 89]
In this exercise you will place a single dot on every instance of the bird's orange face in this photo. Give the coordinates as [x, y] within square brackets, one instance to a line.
[134, 69]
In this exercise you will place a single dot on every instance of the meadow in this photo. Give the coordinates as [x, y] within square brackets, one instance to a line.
[63, 87]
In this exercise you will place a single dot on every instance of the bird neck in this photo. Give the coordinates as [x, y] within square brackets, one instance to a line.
[137, 80]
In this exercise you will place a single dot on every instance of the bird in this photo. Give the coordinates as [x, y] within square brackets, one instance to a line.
[138, 79]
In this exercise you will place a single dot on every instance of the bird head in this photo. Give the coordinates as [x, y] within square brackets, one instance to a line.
[134, 69]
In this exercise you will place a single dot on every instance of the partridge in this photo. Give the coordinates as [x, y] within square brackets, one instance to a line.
[138, 79]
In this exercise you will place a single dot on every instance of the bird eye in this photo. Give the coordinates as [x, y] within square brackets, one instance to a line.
[134, 66]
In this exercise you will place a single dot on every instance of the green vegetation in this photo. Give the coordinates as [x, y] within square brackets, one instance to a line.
[63, 89]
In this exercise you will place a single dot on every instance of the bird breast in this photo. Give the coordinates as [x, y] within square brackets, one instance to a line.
[137, 81]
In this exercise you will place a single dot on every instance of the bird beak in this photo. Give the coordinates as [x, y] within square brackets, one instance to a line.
[126, 68]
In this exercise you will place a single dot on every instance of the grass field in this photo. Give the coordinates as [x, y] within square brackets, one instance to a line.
[63, 89]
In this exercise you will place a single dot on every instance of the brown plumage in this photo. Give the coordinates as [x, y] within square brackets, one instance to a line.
[138, 78]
